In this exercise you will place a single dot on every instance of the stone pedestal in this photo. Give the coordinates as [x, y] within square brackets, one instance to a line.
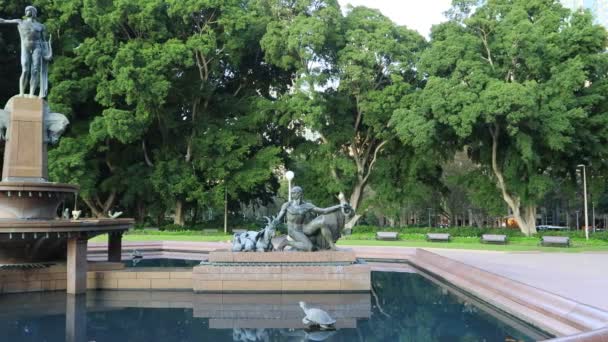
[25, 156]
[327, 271]
[77, 266]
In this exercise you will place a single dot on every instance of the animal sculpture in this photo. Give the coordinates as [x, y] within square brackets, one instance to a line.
[252, 241]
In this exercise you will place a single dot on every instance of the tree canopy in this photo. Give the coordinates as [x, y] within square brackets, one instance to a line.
[519, 85]
[180, 106]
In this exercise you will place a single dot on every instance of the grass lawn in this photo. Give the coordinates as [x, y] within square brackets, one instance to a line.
[516, 244]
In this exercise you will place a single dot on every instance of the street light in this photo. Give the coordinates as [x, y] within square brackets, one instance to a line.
[289, 175]
[585, 196]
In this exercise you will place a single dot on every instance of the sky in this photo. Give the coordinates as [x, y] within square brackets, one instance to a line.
[419, 15]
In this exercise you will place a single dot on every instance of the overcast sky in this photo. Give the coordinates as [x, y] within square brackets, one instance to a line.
[419, 15]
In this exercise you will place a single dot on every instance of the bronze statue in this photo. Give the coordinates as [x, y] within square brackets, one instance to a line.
[36, 52]
[310, 227]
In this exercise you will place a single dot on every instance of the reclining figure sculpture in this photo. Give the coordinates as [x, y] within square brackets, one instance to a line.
[312, 228]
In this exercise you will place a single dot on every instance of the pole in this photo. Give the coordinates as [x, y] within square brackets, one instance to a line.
[577, 225]
[585, 194]
[592, 214]
[225, 210]
[429, 209]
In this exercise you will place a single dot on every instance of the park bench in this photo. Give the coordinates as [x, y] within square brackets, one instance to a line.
[438, 237]
[238, 231]
[494, 238]
[386, 235]
[210, 231]
[555, 241]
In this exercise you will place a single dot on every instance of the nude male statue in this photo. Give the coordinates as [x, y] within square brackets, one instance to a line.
[303, 222]
[35, 52]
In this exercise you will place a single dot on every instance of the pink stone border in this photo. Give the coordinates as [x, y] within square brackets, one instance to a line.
[550, 312]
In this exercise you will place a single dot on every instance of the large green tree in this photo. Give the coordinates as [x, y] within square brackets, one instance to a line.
[173, 101]
[349, 79]
[519, 84]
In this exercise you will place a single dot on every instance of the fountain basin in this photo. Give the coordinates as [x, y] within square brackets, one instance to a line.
[31, 241]
[33, 200]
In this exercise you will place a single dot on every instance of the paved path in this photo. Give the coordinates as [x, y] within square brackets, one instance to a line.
[582, 277]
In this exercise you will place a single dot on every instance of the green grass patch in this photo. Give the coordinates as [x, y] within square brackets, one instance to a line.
[516, 243]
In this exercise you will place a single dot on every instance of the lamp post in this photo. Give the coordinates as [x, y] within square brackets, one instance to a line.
[289, 175]
[429, 209]
[585, 200]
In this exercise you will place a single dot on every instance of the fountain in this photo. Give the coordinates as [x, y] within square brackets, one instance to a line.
[31, 234]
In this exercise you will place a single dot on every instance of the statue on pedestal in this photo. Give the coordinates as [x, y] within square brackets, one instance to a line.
[36, 52]
[310, 227]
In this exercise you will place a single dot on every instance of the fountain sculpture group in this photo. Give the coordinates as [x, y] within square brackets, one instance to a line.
[307, 260]
[30, 231]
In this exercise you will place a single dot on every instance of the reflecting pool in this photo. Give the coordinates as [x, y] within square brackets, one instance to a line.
[402, 307]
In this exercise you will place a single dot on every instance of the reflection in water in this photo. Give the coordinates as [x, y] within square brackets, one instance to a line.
[76, 318]
[414, 310]
[250, 335]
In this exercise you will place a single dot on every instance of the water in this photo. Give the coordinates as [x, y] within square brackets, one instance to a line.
[402, 307]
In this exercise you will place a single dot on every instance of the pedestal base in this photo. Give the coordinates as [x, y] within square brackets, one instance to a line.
[328, 271]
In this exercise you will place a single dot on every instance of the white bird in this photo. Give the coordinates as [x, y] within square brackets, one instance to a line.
[114, 214]
[136, 255]
[76, 214]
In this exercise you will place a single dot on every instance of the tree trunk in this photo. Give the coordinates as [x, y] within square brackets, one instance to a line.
[355, 201]
[98, 208]
[524, 215]
[179, 213]
[96, 212]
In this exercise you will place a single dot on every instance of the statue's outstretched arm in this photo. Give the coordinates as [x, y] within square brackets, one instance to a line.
[10, 21]
[281, 214]
[329, 210]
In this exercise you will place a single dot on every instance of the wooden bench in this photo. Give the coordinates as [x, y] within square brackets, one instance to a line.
[445, 237]
[555, 241]
[494, 238]
[386, 235]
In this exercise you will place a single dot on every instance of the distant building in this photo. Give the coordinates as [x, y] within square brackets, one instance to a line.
[599, 8]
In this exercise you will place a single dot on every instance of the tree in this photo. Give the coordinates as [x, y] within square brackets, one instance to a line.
[518, 84]
[369, 70]
[173, 103]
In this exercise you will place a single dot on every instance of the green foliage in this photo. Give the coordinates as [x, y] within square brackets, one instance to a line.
[527, 72]
[406, 233]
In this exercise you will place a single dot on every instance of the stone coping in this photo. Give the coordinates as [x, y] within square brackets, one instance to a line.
[599, 335]
[43, 226]
[555, 314]
[38, 186]
[282, 257]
